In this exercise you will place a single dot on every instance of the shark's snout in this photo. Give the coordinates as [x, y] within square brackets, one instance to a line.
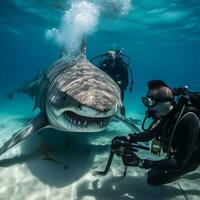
[103, 104]
[82, 99]
[91, 113]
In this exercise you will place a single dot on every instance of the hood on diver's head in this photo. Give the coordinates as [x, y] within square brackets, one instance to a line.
[111, 55]
[159, 99]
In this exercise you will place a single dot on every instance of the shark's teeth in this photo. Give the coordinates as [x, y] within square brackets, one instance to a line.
[81, 122]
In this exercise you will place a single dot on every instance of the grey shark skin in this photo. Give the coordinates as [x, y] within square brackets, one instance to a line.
[73, 95]
[80, 97]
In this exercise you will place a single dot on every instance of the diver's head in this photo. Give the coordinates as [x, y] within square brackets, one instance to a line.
[159, 99]
[111, 55]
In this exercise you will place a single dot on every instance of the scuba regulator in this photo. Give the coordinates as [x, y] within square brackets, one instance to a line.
[156, 143]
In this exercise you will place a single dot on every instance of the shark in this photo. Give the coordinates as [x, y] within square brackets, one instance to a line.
[72, 95]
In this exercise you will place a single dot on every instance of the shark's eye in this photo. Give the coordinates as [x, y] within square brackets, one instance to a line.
[79, 106]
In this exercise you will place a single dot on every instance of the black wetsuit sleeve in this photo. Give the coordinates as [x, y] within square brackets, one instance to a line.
[147, 135]
[189, 128]
[165, 164]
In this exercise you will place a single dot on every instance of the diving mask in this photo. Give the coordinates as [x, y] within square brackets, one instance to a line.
[111, 54]
[150, 102]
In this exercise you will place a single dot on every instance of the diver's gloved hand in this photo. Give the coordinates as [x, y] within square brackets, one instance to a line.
[131, 159]
[132, 138]
[121, 138]
[128, 138]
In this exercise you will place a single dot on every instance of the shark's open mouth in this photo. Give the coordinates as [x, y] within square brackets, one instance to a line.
[86, 122]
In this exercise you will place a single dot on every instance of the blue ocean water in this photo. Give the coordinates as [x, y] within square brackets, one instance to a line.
[162, 38]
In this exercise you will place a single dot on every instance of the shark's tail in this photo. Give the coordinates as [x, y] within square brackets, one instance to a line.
[35, 89]
[19, 90]
[128, 122]
[29, 87]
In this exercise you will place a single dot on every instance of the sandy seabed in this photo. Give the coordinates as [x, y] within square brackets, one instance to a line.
[68, 172]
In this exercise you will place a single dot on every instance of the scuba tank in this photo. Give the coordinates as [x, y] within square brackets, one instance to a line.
[119, 53]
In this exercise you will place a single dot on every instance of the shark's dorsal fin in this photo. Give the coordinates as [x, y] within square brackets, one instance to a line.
[83, 46]
[64, 52]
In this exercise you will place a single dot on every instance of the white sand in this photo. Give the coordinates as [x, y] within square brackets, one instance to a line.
[25, 175]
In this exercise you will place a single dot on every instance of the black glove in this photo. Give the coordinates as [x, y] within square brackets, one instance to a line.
[121, 139]
[128, 138]
[130, 159]
[132, 138]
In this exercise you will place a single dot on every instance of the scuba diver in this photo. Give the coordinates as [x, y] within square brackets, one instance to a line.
[175, 127]
[114, 65]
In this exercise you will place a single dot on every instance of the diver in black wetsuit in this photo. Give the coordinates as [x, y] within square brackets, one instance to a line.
[178, 131]
[117, 69]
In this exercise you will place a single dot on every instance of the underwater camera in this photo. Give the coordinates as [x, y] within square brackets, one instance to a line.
[120, 148]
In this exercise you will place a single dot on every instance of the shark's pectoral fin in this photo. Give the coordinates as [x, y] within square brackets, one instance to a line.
[127, 122]
[35, 89]
[35, 125]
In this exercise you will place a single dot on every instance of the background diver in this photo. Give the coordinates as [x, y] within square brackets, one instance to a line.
[175, 127]
[114, 65]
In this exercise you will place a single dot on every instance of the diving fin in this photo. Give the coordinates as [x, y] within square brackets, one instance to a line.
[33, 126]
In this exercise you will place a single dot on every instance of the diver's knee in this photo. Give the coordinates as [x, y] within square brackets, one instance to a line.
[155, 177]
[153, 182]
